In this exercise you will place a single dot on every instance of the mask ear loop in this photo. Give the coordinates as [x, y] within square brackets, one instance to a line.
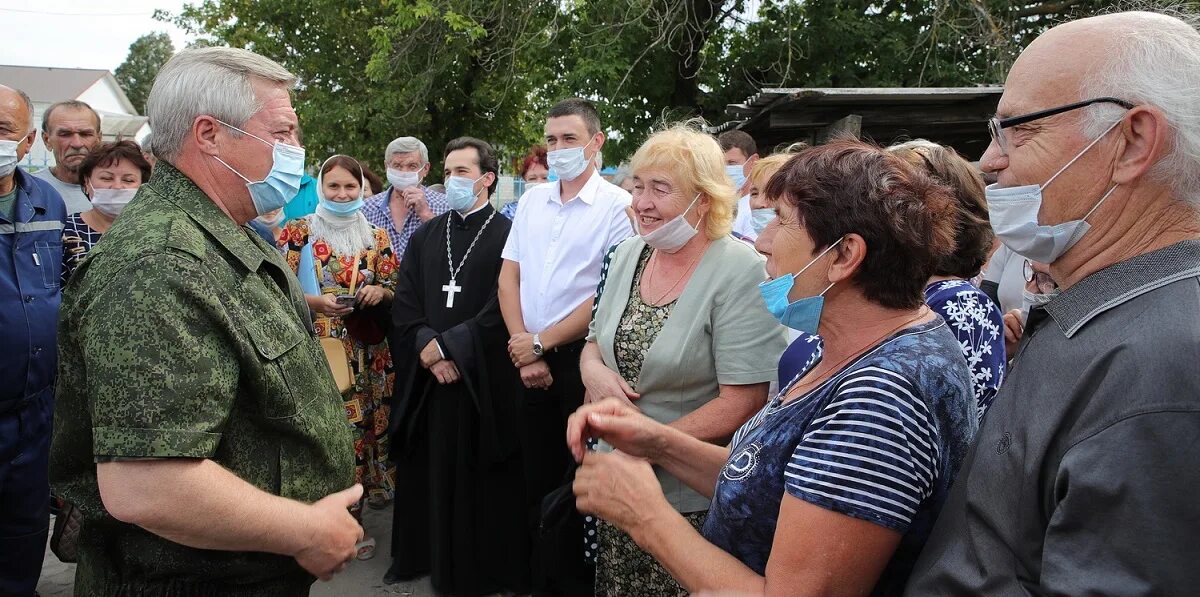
[815, 259]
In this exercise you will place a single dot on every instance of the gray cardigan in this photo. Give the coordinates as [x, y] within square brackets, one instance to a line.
[719, 332]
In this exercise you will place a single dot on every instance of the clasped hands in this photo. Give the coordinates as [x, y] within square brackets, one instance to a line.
[442, 368]
[535, 373]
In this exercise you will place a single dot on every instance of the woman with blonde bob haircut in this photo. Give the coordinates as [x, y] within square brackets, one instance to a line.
[680, 329]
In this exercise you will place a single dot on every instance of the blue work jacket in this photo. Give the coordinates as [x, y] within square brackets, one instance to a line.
[30, 275]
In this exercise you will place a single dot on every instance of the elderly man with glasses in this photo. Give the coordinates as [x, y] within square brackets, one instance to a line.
[1081, 476]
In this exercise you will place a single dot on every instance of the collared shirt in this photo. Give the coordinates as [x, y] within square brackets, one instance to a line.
[72, 194]
[379, 214]
[31, 253]
[560, 247]
[185, 335]
[1082, 478]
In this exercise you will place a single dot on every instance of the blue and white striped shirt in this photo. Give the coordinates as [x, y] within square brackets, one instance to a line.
[879, 441]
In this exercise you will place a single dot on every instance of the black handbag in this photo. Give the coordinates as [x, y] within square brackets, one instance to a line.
[560, 566]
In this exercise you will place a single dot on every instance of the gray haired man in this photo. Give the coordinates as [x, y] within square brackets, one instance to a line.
[405, 204]
[1082, 479]
[197, 428]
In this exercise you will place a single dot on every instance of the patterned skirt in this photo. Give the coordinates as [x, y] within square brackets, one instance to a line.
[622, 568]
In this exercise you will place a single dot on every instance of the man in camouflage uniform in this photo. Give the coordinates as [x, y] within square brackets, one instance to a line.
[198, 428]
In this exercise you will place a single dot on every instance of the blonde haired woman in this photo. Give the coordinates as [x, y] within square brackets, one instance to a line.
[679, 327]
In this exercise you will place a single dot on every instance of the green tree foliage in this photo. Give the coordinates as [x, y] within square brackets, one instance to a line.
[371, 70]
[136, 75]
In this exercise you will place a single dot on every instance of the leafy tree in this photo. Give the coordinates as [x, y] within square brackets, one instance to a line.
[136, 75]
[371, 70]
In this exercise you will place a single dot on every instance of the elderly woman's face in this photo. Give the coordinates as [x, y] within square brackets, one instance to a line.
[120, 175]
[658, 198]
[536, 174]
[339, 185]
[789, 249]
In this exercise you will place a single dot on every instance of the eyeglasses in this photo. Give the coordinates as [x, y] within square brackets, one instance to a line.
[1044, 283]
[996, 126]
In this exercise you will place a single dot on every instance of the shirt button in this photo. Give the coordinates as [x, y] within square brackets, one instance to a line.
[37, 350]
[29, 299]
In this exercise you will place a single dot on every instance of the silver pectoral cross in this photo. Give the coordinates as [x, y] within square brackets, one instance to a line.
[451, 289]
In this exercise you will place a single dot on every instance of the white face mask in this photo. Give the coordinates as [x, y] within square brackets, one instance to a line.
[111, 202]
[671, 237]
[1013, 212]
[1030, 300]
[568, 163]
[403, 180]
[8, 157]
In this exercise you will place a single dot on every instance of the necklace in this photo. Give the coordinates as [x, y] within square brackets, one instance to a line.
[836, 368]
[654, 266]
[453, 288]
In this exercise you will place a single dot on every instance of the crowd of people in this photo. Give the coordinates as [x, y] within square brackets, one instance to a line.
[841, 369]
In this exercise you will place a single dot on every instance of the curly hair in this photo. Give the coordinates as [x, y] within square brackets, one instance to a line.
[696, 160]
[536, 155]
[973, 234]
[108, 154]
[902, 214]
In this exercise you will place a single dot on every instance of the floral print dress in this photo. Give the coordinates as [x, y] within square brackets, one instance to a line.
[367, 407]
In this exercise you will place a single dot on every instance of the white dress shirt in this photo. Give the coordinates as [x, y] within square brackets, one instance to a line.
[743, 223]
[560, 248]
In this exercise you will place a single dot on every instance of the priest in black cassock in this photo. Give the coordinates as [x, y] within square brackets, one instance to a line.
[460, 506]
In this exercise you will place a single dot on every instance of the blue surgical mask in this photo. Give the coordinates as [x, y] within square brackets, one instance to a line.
[1013, 212]
[460, 192]
[282, 183]
[737, 174]
[760, 218]
[803, 315]
[342, 208]
[568, 163]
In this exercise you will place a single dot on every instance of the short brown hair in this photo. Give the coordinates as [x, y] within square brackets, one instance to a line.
[577, 106]
[904, 216]
[107, 154]
[70, 105]
[973, 234]
[739, 139]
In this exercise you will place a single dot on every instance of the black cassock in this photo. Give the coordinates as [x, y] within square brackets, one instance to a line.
[459, 507]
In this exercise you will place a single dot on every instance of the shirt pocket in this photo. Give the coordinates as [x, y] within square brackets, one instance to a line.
[49, 260]
[279, 399]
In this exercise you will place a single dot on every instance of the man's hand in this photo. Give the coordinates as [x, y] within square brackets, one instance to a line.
[414, 199]
[371, 295]
[520, 349]
[536, 375]
[445, 371]
[1013, 330]
[334, 533]
[430, 354]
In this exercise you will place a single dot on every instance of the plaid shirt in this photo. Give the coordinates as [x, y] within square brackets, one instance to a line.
[378, 214]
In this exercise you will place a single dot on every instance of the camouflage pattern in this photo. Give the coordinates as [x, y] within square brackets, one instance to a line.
[184, 335]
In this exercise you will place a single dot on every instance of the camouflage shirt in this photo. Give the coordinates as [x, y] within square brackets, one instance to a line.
[183, 335]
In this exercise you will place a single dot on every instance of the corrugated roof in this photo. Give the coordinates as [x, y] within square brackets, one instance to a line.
[46, 84]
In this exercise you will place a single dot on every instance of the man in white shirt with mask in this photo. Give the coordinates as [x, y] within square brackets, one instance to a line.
[552, 264]
[741, 152]
[405, 204]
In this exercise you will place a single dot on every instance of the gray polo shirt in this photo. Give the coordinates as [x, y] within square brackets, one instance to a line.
[1083, 479]
[72, 194]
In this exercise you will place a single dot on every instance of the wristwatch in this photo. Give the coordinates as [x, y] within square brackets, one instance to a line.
[537, 346]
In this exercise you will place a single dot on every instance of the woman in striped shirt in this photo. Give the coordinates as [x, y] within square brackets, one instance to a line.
[834, 486]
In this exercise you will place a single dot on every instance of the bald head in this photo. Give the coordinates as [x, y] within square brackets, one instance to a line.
[17, 108]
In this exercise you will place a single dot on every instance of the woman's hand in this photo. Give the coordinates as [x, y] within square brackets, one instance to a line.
[369, 296]
[620, 489]
[618, 423]
[328, 306]
[602, 382]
